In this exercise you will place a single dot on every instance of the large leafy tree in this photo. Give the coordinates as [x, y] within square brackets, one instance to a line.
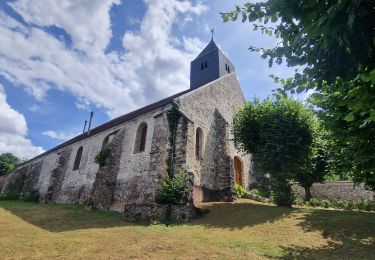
[8, 162]
[277, 132]
[331, 44]
[316, 164]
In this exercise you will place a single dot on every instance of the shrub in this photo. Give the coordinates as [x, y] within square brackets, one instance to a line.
[10, 195]
[299, 202]
[101, 157]
[31, 195]
[339, 204]
[325, 203]
[239, 190]
[363, 205]
[261, 193]
[174, 189]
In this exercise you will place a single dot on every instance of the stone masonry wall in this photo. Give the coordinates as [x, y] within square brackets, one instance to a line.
[102, 193]
[15, 180]
[224, 164]
[140, 173]
[336, 190]
[32, 176]
[202, 106]
[2, 181]
[57, 177]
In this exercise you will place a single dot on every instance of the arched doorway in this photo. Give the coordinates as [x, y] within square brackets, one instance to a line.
[238, 171]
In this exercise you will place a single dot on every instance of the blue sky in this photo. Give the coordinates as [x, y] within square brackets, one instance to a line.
[61, 59]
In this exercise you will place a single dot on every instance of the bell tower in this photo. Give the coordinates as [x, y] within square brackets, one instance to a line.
[209, 65]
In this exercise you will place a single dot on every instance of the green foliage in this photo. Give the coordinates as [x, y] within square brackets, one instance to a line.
[277, 132]
[264, 194]
[30, 195]
[8, 162]
[239, 190]
[339, 204]
[101, 157]
[281, 192]
[332, 45]
[173, 116]
[174, 190]
[315, 167]
[352, 141]
[10, 195]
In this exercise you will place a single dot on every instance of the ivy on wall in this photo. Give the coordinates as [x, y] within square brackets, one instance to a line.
[101, 157]
[173, 116]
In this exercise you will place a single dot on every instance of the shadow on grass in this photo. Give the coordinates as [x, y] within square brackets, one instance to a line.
[239, 215]
[66, 217]
[350, 235]
[63, 217]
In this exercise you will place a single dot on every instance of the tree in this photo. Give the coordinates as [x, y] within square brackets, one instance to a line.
[316, 164]
[353, 141]
[277, 132]
[8, 162]
[332, 45]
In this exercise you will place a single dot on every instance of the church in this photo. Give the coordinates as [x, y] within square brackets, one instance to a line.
[139, 147]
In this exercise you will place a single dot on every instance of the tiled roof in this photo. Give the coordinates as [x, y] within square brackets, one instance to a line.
[114, 122]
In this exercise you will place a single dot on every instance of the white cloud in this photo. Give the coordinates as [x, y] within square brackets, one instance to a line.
[13, 131]
[87, 21]
[154, 65]
[58, 135]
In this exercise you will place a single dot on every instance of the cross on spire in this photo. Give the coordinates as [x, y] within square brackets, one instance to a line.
[212, 33]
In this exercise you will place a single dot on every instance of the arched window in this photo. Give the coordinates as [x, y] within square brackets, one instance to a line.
[77, 161]
[140, 139]
[105, 142]
[198, 143]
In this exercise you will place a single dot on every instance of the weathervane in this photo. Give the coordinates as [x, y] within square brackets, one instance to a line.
[212, 33]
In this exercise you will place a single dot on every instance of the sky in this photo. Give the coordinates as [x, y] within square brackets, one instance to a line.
[59, 60]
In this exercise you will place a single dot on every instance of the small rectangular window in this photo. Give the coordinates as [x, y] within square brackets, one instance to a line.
[205, 64]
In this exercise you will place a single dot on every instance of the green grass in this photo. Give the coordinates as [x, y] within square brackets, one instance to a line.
[240, 230]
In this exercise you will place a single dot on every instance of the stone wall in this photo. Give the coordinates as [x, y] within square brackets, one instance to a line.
[57, 177]
[336, 190]
[32, 176]
[102, 193]
[140, 173]
[134, 176]
[211, 108]
[2, 181]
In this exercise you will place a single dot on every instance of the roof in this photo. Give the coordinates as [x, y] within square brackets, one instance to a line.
[114, 122]
[211, 46]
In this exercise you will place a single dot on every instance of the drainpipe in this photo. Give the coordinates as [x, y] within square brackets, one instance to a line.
[91, 115]
[84, 127]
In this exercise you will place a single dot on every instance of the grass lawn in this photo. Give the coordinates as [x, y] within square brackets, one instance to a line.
[240, 230]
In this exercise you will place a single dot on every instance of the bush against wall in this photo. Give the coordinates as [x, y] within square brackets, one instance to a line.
[101, 157]
[339, 204]
[239, 191]
[174, 189]
[10, 195]
[29, 195]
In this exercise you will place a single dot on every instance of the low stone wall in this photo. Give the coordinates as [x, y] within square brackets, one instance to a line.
[157, 213]
[336, 190]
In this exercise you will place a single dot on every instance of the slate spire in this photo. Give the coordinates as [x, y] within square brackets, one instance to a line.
[209, 65]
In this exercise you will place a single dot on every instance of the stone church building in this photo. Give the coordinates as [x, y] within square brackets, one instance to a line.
[139, 148]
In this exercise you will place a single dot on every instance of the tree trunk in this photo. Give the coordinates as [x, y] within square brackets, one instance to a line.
[308, 195]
